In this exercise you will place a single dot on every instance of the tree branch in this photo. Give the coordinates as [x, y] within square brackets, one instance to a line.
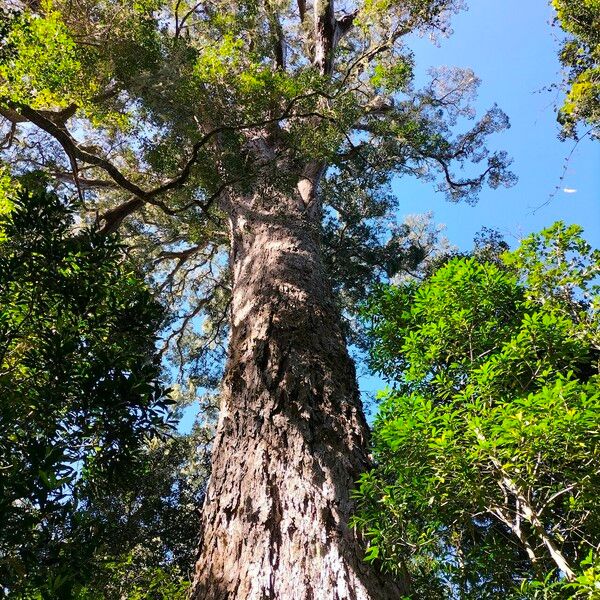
[302, 10]
[112, 218]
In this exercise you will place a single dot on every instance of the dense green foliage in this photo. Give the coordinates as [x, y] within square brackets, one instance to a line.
[580, 55]
[488, 445]
[148, 520]
[79, 388]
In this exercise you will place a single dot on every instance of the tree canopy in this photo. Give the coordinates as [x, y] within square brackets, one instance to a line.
[580, 55]
[487, 445]
[158, 113]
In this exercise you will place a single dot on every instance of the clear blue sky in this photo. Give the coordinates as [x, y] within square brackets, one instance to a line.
[513, 49]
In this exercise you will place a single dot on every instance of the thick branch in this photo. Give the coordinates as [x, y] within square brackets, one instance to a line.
[9, 137]
[12, 115]
[328, 33]
[73, 151]
[528, 512]
[324, 32]
[302, 10]
[517, 530]
[113, 218]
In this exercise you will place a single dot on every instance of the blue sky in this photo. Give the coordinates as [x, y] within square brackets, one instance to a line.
[513, 49]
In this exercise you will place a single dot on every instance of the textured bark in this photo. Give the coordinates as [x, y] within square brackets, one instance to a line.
[291, 436]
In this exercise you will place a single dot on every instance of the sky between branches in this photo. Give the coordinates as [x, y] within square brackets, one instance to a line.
[512, 47]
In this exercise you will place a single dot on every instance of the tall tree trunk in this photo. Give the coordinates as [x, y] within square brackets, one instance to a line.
[291, 436]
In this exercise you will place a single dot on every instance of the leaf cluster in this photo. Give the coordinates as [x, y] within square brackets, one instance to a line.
[580, 55]
[487, 447]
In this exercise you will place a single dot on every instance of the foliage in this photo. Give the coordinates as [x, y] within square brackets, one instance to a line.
[8, 189]
[79, 387]
[174, 104]
[40, 60]
[149, 519]
[488, 445]
[157, 583]
[580, 55]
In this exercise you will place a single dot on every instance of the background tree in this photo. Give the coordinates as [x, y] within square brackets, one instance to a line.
[580, 55]
[487, 446]
[148, 519]
[233, 141]
[79, 388]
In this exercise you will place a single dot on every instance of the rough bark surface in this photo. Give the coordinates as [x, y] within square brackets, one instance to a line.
[291, 437]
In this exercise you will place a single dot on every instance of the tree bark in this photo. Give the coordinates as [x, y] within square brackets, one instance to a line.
[291, 438]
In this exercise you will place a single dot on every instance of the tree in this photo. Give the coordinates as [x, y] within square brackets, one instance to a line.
[221, 136]
[580, 55]
[487, 447]
[79, 387]
[148, 519]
